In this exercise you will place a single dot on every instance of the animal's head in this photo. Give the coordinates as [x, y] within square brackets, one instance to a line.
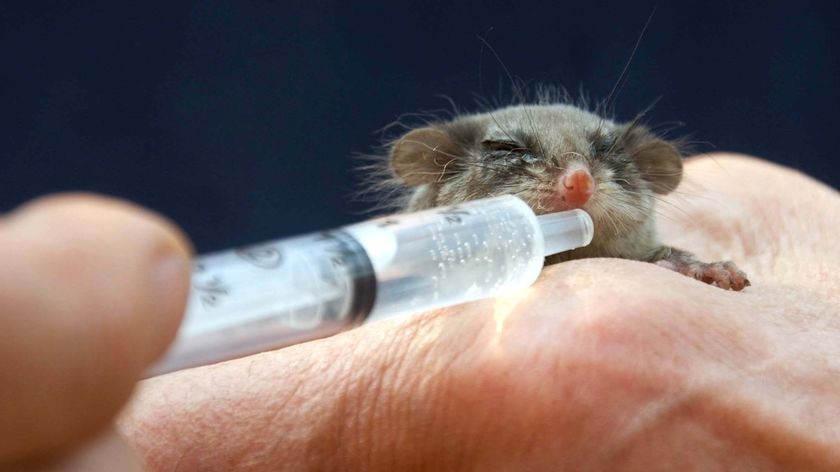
[555, 157]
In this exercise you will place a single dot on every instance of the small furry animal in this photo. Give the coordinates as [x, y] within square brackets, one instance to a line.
[555, 156]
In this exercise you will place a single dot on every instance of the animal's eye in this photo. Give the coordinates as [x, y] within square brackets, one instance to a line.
[603, 144]
[508, 151]
[506, 146]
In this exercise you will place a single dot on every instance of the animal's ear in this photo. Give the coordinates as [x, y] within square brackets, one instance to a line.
[661, 165]
[659, 161]
[423, 156]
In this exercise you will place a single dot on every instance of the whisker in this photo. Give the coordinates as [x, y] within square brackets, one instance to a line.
[623, 76]
[655, 198]
[653, 209]
[443, 171]
[573, 153]
[481, 83]
[517, 92]
[434, 149]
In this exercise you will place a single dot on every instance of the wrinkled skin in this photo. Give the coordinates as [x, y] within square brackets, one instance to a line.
[605, 364]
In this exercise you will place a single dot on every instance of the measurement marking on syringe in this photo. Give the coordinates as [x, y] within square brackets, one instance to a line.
[212, 291]
[453, 214]
[264, 257]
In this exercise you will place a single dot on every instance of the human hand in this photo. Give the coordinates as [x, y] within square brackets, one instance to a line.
[604, 364]
[91, 292]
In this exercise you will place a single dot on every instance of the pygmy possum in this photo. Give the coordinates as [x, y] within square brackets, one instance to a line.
[556, 156]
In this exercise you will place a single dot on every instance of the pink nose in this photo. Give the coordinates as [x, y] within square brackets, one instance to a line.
[575, 188]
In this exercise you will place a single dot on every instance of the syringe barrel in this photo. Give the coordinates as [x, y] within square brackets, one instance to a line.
[450, 255]
[271, 295]
[289, 291]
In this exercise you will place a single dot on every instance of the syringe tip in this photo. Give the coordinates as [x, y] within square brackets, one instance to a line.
[565, 230]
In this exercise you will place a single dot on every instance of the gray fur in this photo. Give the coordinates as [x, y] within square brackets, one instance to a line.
[628, 163]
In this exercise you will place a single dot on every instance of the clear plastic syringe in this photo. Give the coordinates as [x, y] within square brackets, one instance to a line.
[288, 291]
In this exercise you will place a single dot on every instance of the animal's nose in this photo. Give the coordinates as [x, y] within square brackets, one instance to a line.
[576, 187]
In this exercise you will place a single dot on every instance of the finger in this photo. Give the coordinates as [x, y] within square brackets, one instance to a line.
[91, 292]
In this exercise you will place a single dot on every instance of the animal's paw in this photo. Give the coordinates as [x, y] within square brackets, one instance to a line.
[724, 274]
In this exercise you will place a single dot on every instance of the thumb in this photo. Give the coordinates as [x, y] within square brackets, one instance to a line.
[91, 292]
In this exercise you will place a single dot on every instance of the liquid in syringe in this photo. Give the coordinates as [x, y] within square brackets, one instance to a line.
[284, 292]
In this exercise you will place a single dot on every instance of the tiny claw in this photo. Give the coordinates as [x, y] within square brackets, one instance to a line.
[725, 274]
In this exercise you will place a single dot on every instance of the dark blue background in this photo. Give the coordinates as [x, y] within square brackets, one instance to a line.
[239, 120]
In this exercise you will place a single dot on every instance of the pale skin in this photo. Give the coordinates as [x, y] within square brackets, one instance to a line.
[604, 364]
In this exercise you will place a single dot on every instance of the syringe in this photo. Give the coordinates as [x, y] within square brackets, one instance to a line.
[292, 290]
